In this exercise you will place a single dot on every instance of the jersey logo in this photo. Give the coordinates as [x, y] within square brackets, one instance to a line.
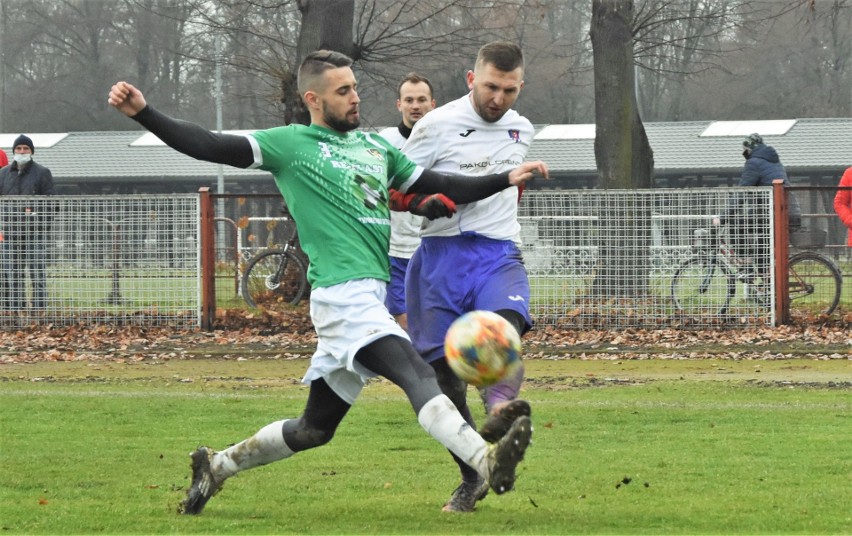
[375, 153]
[516, 297]
[466, 134]
[515, 134]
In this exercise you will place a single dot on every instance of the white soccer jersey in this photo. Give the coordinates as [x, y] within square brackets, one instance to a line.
[405, 226]
[393, 136]
[454, 138]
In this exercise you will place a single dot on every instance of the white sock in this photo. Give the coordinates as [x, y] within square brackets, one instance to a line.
[266, 446]
[440, 418]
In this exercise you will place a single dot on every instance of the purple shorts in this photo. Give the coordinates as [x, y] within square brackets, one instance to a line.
[449, 276]
[395, 300]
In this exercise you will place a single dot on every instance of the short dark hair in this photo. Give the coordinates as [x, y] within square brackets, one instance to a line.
[316, 63]
[503, 55]
[414, 78]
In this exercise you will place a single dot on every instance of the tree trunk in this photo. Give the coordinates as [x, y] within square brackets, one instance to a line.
[622, 152]
[326, 24]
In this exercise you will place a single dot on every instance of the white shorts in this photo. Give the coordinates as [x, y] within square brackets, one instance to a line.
[348, 317]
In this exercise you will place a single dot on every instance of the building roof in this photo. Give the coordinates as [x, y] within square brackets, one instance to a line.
[701, 146]
[679, 147]
[118, 155]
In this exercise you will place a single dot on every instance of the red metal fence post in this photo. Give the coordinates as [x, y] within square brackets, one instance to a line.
[208, 260]
[782, 241]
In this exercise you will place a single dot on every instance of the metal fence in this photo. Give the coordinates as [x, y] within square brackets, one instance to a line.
[100, 259]
[596, 258]
[613, 259]
[606, 258]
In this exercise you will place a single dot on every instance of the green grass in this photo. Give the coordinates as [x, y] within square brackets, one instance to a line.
[102, 448]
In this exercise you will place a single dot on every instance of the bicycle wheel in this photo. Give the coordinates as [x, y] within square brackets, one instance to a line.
[273, 277]
[814, 284]
[702, 288]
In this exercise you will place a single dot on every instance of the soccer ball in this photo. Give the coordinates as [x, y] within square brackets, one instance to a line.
[482, 348]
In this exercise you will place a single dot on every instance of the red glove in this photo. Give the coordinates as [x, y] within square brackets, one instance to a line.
[430, 206]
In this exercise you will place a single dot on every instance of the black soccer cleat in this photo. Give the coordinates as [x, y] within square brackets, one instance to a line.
[204, 484]
[504, 457]
[466, 496]
[497, 424]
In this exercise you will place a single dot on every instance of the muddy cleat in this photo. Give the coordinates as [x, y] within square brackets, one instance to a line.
[466, 496]
[497, 424]
[505, 456]
[204, 484]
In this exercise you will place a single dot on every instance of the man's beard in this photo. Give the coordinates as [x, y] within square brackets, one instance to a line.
[482, 109]
[340, 124]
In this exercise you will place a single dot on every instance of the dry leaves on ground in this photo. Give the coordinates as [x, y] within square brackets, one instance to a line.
[270, 332]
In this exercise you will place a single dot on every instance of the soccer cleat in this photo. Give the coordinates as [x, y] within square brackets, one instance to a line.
[505, 456]
[497, 424]
[204, 484]
[466, 496]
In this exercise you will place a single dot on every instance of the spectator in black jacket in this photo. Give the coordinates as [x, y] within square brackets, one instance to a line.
[25, 225]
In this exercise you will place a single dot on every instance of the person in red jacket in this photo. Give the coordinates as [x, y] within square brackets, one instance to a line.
[4, 160]
[843, 203]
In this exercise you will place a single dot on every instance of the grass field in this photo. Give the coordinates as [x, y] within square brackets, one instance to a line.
[620, 447]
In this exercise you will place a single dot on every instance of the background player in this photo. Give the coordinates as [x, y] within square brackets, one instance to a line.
[415, 100]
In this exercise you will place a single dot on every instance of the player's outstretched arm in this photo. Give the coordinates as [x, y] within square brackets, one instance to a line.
[466, 189]
[185, 137]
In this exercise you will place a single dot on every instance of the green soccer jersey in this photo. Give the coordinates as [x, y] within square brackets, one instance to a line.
[336, 187]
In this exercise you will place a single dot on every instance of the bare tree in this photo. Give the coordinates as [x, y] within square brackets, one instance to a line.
[622, 152]
[675, 40]
[383, 36]
[695, 59]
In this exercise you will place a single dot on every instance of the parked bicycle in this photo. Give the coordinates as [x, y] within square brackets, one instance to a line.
[276, 275]
[705, 284]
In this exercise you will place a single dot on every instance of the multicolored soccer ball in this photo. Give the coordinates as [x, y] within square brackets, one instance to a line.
[482, 348]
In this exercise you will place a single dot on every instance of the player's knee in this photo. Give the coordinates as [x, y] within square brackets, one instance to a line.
[299, 436]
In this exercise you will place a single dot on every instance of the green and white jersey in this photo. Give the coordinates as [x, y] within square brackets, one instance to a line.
[336, 188]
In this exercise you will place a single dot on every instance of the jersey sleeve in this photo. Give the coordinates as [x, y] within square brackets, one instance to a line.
[272, 148]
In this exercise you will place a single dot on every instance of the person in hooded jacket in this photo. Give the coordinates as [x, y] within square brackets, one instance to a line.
[24, 225]
[745, 213]
[843, 203]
